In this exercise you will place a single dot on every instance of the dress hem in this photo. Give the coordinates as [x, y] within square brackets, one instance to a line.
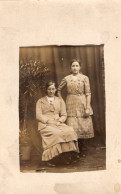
[85, 136]
[59, 149]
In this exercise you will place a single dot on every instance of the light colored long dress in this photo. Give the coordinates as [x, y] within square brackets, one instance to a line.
[55, 139]
[78, 88]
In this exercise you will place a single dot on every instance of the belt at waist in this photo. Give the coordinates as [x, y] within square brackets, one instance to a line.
[76, 94]
[76, 117]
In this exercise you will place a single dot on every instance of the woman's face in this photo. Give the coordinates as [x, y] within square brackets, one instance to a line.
[75, 67]
[51, 90]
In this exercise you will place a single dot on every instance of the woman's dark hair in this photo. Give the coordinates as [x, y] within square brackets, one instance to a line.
[49, 83]
[75, 60]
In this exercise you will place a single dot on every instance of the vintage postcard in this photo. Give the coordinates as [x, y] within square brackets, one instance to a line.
[60, 97]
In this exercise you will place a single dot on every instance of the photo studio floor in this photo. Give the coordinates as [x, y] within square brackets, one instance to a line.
[92, 159]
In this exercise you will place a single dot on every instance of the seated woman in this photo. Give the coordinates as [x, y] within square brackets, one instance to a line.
[57, 137]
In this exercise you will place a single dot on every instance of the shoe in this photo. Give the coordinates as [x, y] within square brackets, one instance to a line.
[50, 164]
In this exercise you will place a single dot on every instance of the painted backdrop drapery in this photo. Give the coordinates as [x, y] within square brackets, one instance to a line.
[58, 58]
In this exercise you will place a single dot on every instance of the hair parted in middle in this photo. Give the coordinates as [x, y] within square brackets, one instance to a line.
[49, 83]
[75, 60]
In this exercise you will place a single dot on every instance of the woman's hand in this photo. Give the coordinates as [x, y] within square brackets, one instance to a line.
[51, 121]
[87, 112]
[58, 123]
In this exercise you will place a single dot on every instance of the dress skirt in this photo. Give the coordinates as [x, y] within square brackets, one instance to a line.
[58, 149]
[83, 126]
[58, 139]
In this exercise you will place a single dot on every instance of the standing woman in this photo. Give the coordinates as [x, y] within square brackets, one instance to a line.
[78, 100]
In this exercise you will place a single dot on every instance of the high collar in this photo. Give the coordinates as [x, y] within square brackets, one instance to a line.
[78, 76]
[45, 100]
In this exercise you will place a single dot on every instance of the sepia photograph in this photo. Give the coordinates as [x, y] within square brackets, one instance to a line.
[62, 125]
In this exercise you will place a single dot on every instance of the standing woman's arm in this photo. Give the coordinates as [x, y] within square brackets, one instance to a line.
[62, 85]
[63, 114]
[87, 92]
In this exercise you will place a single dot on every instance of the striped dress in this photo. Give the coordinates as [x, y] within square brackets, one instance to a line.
[78, 88]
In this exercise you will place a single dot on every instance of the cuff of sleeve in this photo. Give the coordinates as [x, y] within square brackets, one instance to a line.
[61, 120]
[87, 94]
[46, 120]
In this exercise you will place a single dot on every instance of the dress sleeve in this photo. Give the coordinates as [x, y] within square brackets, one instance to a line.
[87, 86]
[42, 118]
[63, 114]
[62, 84]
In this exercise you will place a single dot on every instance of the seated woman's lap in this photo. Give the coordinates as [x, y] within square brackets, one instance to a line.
[57, 130]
